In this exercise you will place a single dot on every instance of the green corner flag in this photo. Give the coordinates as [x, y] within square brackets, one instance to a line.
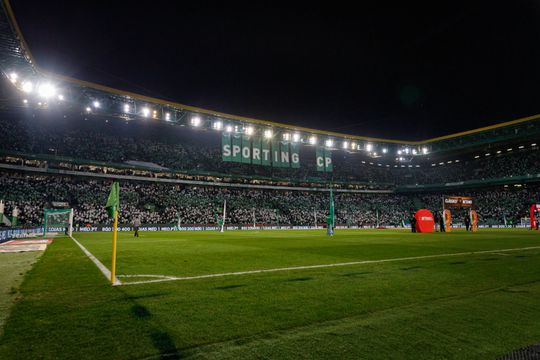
[113, 202]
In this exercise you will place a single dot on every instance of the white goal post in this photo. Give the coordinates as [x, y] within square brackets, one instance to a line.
[57, 220]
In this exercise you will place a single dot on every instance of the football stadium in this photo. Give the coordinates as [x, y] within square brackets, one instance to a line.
[139, 228]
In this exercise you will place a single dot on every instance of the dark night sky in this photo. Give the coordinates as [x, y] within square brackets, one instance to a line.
[405, 72]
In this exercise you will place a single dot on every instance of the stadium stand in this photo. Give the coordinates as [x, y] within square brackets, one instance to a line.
[157, 203]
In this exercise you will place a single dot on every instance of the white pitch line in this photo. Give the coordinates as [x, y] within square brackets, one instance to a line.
[238, 273]
[98, 263]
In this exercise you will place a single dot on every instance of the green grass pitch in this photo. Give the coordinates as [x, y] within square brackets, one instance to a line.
[468, 306]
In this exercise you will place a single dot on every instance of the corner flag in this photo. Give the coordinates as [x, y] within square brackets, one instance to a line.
[113, 202]
[112, 207]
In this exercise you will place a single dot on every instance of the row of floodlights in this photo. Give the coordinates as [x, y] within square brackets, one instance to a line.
[47, 90]
[507, 150]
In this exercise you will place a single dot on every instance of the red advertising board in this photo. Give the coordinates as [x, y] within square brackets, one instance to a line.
[424, 221]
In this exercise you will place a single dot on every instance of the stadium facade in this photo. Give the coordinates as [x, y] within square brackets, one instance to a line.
[60, 130]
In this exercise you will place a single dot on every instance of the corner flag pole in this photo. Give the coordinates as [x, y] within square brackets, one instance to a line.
[113, 262]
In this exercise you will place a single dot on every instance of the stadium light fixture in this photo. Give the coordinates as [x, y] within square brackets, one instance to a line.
[195, 121]
[424, 150]
[154, 114]
[354, 146]
[88, 109]
[218, 125]
[296, 137]
[345, 144]
[61, 97]
[313, 140]
[145, 111]
[399, 152]
[27, 87]
[407, 151]
[127, 108]
[375, 154]
[414, 151]
[13, 77]
[286, 136]
[229, 128]
[25, 101]
[369, 147]
[384, 150]
[329, 143]
[249, 130]
[268, 133]
[96, 104]
[168, 116]
[46, 90]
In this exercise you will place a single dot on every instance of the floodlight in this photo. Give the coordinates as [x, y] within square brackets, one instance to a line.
[25, 101]
[384, 150]
[96, 104]
[399, 152]
[414, 151]
[126, 108]
[229, 128]
[296, 137]
[196, 121]
[46, 90]
[345, 144]
[313, 140]
[13, 77]
[353, 146]
[268, 133]
[249, 130]
[145, 111]
[369, 147]
[27, 86]
[88, 109]
[218, 125]
[424, 150]
[329, 143]
[167, 116]
[61, 97]
[407, 150]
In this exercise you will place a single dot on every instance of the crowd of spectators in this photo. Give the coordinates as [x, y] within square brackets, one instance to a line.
[169, 203]
[196, 151]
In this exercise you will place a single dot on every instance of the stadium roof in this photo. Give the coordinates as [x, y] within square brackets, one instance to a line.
[18, 65]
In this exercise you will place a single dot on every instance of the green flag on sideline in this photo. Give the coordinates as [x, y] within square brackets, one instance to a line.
[331, 210]
[113, 202]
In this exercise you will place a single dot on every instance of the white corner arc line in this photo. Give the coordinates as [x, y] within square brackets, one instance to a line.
[98, 263]
[163, 278]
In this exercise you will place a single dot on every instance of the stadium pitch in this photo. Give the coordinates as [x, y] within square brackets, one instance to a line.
[375, 294]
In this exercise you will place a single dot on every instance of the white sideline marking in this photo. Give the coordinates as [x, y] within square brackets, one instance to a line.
[163, 278]
[98, 263]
